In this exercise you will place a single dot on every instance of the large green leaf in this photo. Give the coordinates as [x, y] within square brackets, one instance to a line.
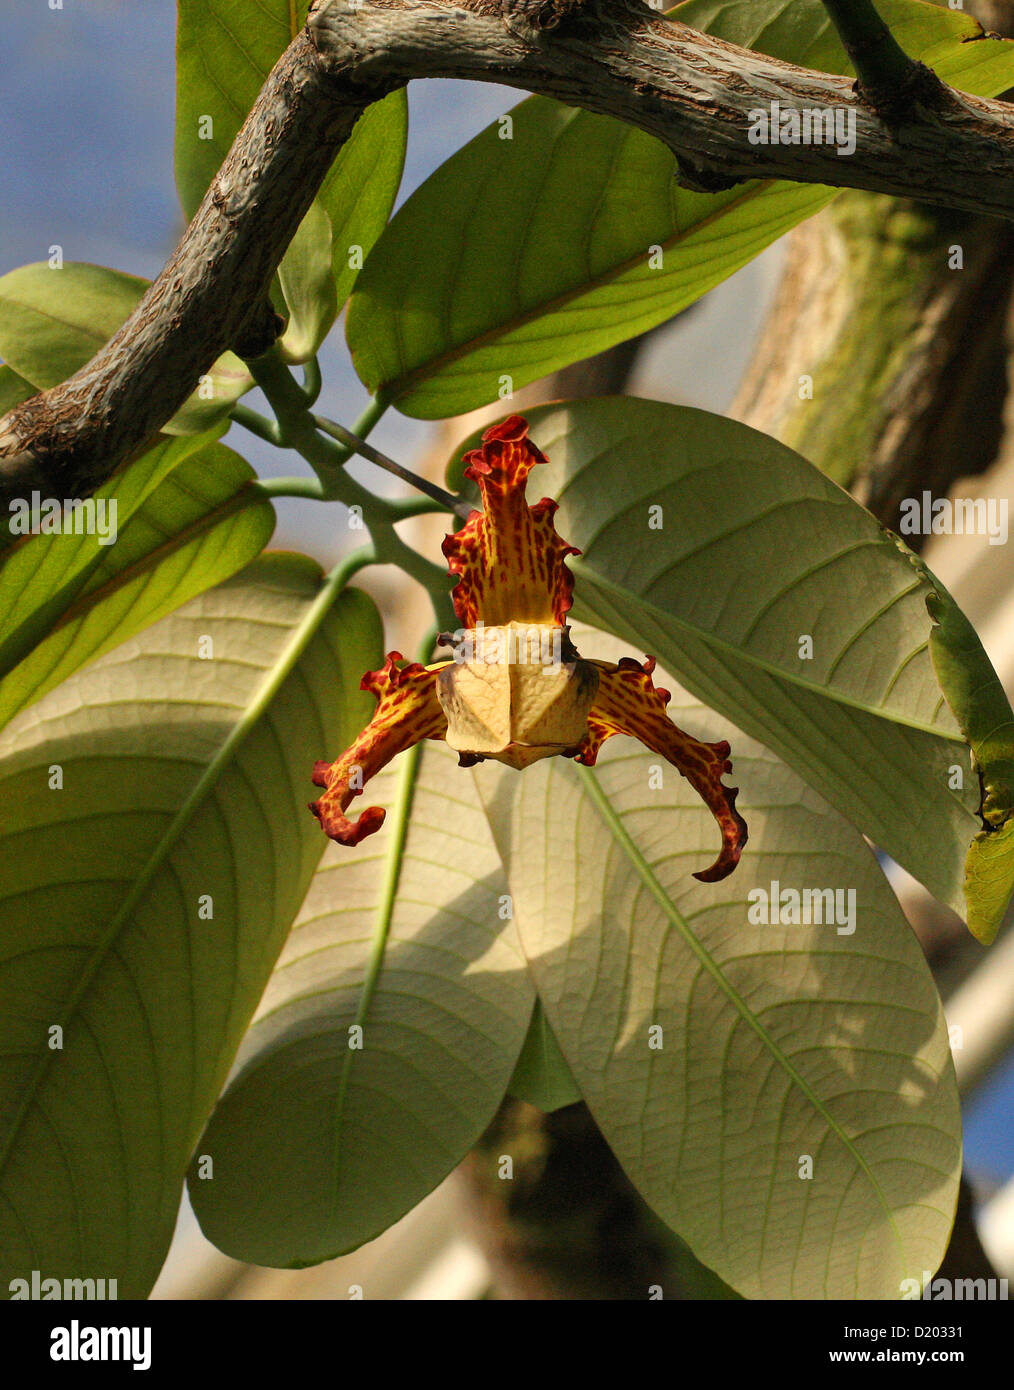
[716, 1053]
[750, 551]
[145, 901]
[308, 287]
[224, 52]
[522, 254]
[44, 573]
[974, 692]
[319, 1144]
[519, 256]
[200, 524]
[948, 40]
[54, 321]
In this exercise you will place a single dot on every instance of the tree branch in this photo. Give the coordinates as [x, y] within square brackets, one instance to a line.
[693, 92]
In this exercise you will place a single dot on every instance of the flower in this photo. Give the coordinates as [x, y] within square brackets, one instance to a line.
[516, 689]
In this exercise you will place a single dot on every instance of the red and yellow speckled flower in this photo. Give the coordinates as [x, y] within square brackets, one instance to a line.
[516, 689]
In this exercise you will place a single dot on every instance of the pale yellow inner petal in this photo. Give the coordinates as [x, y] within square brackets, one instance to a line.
[509, 695]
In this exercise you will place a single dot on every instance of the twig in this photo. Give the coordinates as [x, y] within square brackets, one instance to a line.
[458, 505]
[889, 80]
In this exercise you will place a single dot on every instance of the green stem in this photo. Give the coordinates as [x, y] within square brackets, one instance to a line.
[338, 578]
[256, 423]
[291, 487]
[458, 505]
[392, 550]
[373, 412]
[297, 430]
[283, 391]
[397, 825]
[312, 381]
[405, 507]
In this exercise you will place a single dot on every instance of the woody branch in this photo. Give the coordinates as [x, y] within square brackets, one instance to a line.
[620, 58]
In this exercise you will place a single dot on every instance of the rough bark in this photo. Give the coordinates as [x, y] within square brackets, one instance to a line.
[616, 57]
[905, 351]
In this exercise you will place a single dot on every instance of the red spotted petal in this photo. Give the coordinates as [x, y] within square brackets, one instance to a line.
[508, 556]
[627, 702]
[407, 713]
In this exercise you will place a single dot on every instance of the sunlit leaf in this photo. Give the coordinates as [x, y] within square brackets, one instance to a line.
[45, 572]
[558, 236]
[198, 526]
[324, 1138]
[224, 52]
[781, 1094]
[156, 846]
[308, 286]
[54, 321]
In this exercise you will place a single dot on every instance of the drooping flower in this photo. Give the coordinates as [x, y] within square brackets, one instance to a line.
[516, 689]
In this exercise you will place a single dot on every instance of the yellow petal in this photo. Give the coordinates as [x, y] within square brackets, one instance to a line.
[519, 694]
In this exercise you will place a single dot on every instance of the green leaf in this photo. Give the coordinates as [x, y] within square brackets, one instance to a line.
[224, 52]
[145, 901]
[542, 1076]
[360, 190]
[521, 255]
[753, 551]
[200, 524]
[949, 41]
[13, 389]
[974, 693]
[42, 575]
[52, 322]
[308, 287]
[989, 879]
[324, 1139]
[717, 1053]
[977, 698]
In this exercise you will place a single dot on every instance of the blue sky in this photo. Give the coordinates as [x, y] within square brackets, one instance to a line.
[86, 130]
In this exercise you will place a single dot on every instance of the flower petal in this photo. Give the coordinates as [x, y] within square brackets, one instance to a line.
[408, 712]
[628, 703]
[509, 557]
[512, 694]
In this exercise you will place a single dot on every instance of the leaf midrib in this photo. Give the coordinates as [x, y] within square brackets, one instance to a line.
[393, 861]
[398, 387]
[593, 790]
[591, 578]
[274, 675]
